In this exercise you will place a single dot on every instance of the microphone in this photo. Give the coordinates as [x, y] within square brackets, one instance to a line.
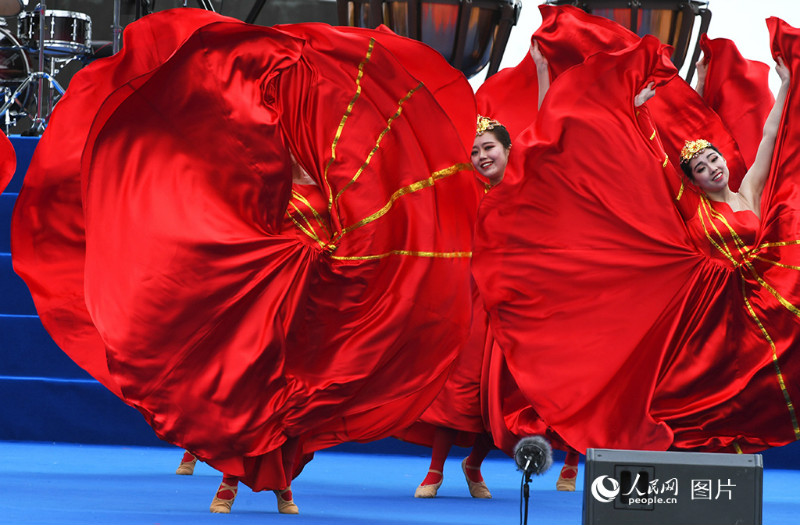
[533, 455]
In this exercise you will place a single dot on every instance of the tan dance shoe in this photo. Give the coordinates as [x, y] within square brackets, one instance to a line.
[476, 489]
[223, 505]
[429, 491]
[186, 468]
[286, 506]
[567, 478]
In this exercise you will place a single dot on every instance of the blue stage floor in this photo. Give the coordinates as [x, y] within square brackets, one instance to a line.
[55, 484]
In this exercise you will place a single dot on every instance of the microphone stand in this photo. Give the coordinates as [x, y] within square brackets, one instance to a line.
[526, 495]
[537, 456]
[526, 490]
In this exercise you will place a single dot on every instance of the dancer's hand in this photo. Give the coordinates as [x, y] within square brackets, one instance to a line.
[782, 70]
[538, 58]
[645, 94]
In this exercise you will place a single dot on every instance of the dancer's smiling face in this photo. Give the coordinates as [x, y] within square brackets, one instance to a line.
[709, 170]
[489, 157]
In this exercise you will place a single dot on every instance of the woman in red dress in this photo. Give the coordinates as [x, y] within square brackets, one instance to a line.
[247, 344]
[508, 416]
[456, 416]
[307, 219]
[622, 332]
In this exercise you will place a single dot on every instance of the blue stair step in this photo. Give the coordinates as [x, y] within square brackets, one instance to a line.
[28, 350]
[14, 295]
[23, 148]
[46, 396]
[76, 411]
[7, 201]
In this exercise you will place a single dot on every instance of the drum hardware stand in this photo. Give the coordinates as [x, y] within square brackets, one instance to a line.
[38, 121]
[116, 28]
[143, 8]
[255, 11]
[40, 77]
[5, 110]
[206, 4]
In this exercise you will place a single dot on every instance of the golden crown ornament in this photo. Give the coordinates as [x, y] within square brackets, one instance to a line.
[692, 148]
[485, 124]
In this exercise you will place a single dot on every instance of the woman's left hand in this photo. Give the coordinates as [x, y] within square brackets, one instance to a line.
[538, 57]
[645, 94]
[782, 70]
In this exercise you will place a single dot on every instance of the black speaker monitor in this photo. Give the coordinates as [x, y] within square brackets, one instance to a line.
[637, 487]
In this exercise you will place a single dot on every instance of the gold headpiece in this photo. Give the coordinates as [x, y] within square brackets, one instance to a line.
[692, 148]
[485, 124]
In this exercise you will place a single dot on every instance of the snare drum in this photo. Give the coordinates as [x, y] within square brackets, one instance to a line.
[65, 32]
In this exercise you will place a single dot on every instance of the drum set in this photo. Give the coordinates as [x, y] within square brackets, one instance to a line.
[48, 38]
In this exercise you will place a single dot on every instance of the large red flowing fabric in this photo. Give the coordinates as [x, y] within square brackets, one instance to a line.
[8, 161]
[47, 228]
[632, 311]
[568, 36]
[236, 310]
[742, 105]
[458, 405]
